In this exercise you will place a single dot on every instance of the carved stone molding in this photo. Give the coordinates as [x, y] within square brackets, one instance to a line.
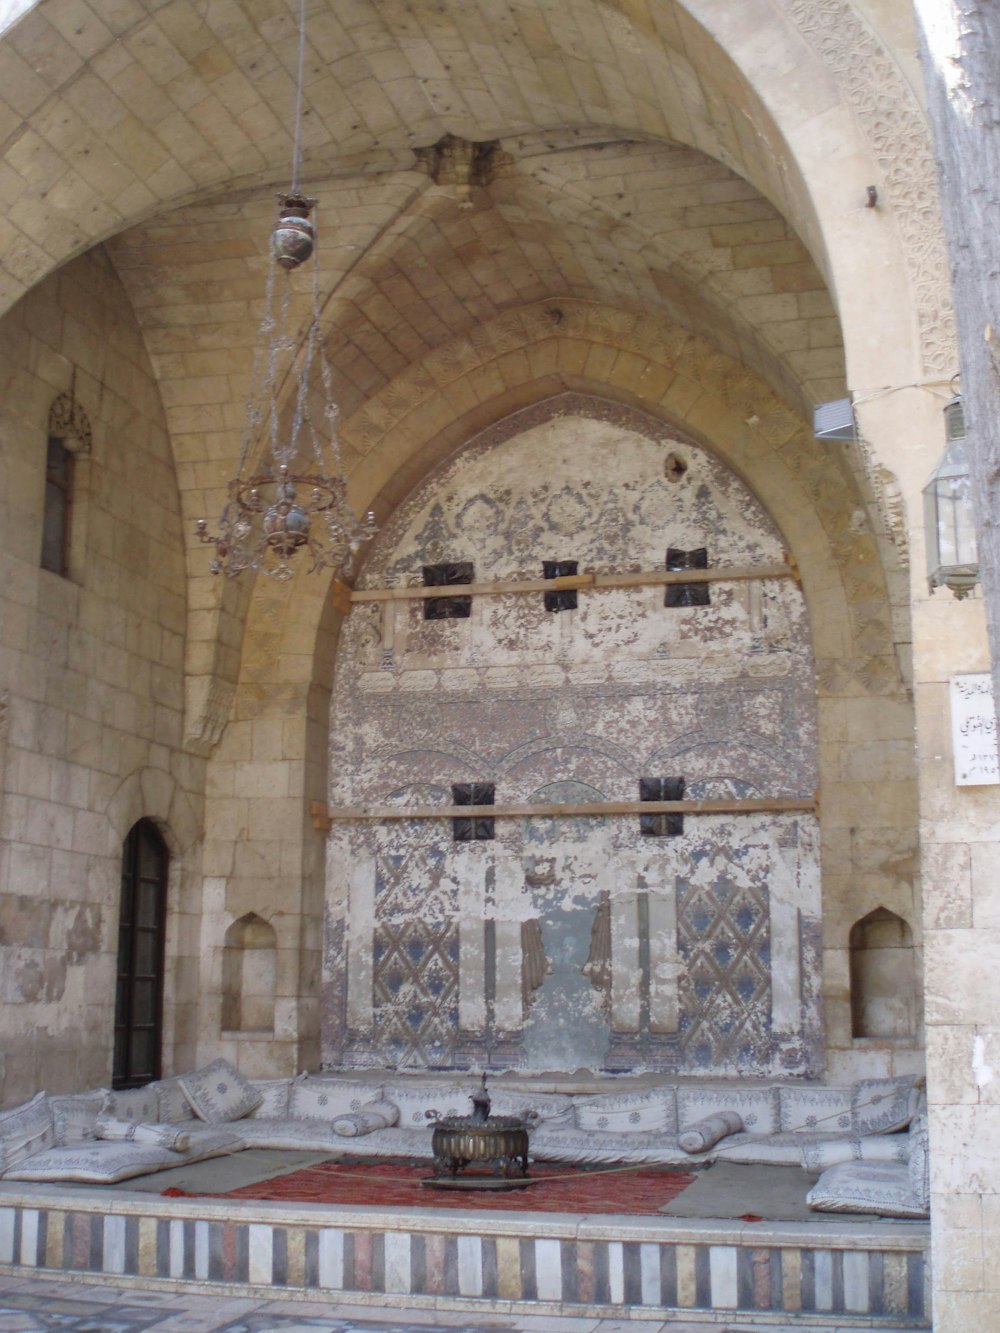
[460, 164]
[888, 112]
[208, 704]
[68, 421]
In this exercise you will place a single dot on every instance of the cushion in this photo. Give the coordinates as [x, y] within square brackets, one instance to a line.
[919, 1163]
[539, 1108]
[883, 1105]
[703, 1134]
[866, 1187]
[420, 1096]
[274, 1093]
[74, 1117]
[756, 1107]
[211, 1140]
[101, 1162]
[128, 1131]
[872, 1148]
[133, 1104]
[639, 1112]
[815, 1108]
[175, 1108]
[94, 1163]
[288, 1133]
[372, 1116]
[24, 1131]
[219, 1094]
[325, 1098]
[585, 1146]
[783, 1148]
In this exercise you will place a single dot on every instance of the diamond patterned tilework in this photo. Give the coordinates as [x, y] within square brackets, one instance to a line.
[723, 934]
[415, 952]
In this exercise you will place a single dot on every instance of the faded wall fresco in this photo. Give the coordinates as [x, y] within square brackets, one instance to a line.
[575, 941]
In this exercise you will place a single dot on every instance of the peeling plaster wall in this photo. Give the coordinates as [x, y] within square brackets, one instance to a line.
[91, 666]
[576, 941]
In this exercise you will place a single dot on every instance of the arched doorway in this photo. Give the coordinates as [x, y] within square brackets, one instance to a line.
[141, 930]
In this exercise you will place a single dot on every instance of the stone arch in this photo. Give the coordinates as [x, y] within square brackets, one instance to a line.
[720, 61]
[154, 794]
[528, 356]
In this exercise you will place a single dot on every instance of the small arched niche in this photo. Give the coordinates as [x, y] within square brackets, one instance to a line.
[883, 976]
[249, 973]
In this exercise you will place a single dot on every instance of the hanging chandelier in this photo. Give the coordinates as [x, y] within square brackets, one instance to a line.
[289, 494]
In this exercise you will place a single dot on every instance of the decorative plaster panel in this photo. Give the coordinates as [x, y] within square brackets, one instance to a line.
[630, 950]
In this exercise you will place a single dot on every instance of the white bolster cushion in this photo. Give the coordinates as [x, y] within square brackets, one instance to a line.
[703, 1134]
[371, 1116]
[154, 1136]
[871, 1148]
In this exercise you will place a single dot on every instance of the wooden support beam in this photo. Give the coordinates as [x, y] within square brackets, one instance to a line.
[419, 592]
[581, 582]
[325, 816]
[340, 596]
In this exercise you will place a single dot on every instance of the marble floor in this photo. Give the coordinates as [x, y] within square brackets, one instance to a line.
[41, 1305]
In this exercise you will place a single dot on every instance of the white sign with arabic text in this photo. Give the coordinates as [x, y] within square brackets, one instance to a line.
[974, 730]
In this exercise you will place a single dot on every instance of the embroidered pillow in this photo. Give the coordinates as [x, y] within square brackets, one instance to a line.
[133, 1104]
[704, 1134]
[371, 1116]
[324, 1098]
[174, 1105]
[416, 1098]
[628, 1112]
[827, 1109]
[883, 1105]
[919, 1161]
[218, 1093]
[756, 1107]
[538, 1108]
[25, 1130]
[74, 1117]
[274, 1094]
[866, 1187]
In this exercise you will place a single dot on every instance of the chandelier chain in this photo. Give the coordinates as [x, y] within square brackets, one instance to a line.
[300, 80]
[285, 498]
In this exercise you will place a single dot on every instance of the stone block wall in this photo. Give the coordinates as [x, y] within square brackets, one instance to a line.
[92, 670]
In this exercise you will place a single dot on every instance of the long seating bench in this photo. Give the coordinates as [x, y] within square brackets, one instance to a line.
[868, 1140]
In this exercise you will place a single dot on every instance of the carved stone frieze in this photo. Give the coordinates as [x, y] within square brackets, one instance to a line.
[891, 117]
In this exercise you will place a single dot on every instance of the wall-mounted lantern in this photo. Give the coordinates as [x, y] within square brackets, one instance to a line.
[952, 558]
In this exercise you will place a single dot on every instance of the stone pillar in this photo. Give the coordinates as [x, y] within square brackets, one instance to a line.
[960, 881]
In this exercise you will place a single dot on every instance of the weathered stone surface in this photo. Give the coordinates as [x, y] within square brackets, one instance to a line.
[720, 694]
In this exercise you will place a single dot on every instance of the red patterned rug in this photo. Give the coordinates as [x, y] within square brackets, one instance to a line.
[554, 1189]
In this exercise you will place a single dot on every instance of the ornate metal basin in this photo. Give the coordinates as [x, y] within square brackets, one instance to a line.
[499, 1142]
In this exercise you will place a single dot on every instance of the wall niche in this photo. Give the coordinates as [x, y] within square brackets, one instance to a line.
[249, 974]
[883, 976]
